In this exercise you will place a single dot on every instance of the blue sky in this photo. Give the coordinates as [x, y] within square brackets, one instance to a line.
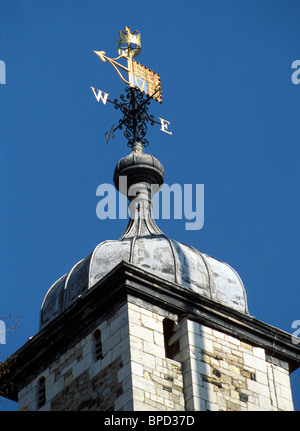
[226, 81]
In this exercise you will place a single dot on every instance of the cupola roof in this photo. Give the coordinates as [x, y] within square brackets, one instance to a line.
[143, 244]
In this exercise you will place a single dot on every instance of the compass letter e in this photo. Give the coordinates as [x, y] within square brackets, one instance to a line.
[164, 126]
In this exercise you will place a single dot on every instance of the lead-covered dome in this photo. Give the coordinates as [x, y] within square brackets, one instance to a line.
[144, 245]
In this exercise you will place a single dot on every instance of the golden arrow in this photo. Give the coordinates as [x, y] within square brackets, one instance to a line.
[116, 65]
[129, 46]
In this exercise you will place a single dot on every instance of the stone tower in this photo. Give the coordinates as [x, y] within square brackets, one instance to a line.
[147, 323]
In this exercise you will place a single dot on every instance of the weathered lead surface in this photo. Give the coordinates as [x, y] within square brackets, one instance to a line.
[143, 244]
[159, 255]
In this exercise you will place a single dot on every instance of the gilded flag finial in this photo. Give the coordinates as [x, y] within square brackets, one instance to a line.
[139, 76]
[141, 81]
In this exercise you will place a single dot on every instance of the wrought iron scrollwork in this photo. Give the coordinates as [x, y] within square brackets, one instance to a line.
[134, 106]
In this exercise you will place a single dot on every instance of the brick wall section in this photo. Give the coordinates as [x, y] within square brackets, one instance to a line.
[221, 372]
[210, 371]
[97, 394]
[157, 381]
[75, 378]
[134, 373]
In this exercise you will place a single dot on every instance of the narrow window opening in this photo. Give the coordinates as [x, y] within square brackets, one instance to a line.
[171, 338]
[41, 392]
[97, 345]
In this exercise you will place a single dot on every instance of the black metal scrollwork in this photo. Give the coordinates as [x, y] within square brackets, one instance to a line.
[134, 106]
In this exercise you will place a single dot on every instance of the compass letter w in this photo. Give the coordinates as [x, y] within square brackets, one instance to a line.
[99, 96]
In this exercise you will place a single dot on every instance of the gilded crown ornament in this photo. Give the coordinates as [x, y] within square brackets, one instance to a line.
[129, 44]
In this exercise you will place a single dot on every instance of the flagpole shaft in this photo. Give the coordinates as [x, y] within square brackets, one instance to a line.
[135, 125]
[130, 71]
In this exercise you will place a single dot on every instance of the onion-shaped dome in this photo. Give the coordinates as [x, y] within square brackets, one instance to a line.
[144, 245]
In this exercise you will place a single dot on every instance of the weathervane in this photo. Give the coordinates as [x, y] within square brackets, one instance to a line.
[144, 85]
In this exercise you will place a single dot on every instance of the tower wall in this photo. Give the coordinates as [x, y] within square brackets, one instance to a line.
[157, 380]
[144, 366]
[77, 380]
[133, 373]
[221, 372]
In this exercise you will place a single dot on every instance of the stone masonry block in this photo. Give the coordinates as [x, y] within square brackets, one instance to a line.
[158, 338]
[138, 394]
[141, 332]
[54, 389]
[151, 323]
[119, 322]
[193, 327]
[124, 372]
[233, 340]
[254, 362]
[258, 352]
[122, 400]
[139, 309]
[142, 406]
[134, 317]
[143, 358]
[281, 377]
[111, 342]
[285, 404]
[82, 365]
[144, 384]
[137, 368]
[205, 330]
[154, 349]
[258, 388]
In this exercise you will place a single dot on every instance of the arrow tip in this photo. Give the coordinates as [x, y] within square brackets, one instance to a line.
[101, 54]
